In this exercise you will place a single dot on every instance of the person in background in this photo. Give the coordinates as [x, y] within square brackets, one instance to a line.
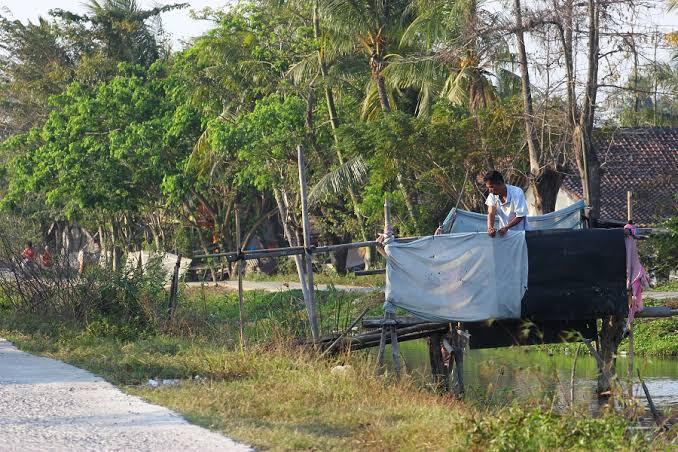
[505, 202]
[28, 253]
[46, 258]
[81, 261]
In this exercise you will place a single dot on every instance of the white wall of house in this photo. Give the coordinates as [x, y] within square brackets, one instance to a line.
[564, 199]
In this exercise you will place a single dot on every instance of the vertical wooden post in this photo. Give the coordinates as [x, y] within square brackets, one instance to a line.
[310, 303]
[629, 207]
[174, 287]
[629, 292]
[395, 352]
[458, 346]
[388, 228]
[438, 370]
[388, 317]
[611, 333]
[385, 327]
[241, 303]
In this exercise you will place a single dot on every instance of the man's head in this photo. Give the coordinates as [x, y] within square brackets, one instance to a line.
[494, 182]
[29, 244]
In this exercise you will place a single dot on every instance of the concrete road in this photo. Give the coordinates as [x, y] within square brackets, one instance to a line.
[46, 405]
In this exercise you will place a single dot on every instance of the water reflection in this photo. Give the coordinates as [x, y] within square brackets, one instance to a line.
[499, 376]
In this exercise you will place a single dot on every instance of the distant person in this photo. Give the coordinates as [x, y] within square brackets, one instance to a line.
[28, 254]
[505, 202]
[81, 261]
[46, 258]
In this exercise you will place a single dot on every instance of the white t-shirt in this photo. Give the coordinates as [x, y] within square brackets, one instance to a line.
[515, 206]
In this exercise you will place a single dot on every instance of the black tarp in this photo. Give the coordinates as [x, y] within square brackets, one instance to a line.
[504, 333]
[576, 274]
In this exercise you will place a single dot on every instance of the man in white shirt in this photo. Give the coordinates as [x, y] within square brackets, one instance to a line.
[506, 202]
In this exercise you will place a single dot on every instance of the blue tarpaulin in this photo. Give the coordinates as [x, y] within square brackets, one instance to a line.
[464, 221]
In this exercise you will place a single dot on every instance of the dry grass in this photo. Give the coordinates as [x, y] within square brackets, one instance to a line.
[284, 398]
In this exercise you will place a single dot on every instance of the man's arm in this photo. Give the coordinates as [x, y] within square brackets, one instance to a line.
[512, 223]
[490, 220]
[521, 211]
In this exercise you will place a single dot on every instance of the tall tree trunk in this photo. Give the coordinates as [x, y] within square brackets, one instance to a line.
[381, 90]
[545, 179]
[585, 153]
[292, 238]
[377, 65]
[334, 122]
[533, 147]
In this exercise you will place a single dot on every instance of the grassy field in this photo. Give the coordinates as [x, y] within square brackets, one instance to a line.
[280, 397]
[274, 393]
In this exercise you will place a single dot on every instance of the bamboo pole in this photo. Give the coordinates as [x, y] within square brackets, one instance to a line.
[572, 376]
[310, 303]
[174, 287]
[629, 206]
[232, 256]
[458, 346]
[656, 414]
[389, 317]
[395, 352]
[629, 292]
[241, 303]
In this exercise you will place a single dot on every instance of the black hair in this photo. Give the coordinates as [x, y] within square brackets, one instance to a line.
[493, 176]
[30, 244]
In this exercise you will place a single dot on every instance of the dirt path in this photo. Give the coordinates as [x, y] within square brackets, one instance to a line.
[661, 295]
[46, 405]
[277, 286]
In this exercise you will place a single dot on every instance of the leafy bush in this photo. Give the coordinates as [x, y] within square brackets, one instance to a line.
[104, 301]
[660, 252]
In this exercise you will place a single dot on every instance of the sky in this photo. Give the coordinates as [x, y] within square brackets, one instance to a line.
[178, 22]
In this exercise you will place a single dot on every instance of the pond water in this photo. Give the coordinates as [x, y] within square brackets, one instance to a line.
[498, 376]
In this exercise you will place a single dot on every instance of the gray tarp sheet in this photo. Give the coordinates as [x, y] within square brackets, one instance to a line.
[458, 277]
[464, 221]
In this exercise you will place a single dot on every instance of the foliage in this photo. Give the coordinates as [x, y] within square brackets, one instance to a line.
[103, 149]
[660, 252]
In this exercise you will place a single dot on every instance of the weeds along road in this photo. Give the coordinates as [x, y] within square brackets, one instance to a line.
[48, 405]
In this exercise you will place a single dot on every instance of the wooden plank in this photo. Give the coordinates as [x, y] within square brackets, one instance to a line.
[376, 271]
[657, 312]
[346, 331]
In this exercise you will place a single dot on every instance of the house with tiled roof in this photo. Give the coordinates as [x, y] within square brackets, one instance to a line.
[643, 160]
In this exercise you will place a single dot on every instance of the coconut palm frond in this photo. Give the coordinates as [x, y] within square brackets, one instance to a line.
[426, 29]
[455, 88]
[203, 160]
[425, 74]
[338, 181]
[371, 105]
[305, 69]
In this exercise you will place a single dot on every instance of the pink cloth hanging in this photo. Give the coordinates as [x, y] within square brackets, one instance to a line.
[636, 277]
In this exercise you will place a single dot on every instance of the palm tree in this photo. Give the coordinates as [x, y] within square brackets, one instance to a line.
[451, 51]
[370, 27]
[123, 28]
[455, 55]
